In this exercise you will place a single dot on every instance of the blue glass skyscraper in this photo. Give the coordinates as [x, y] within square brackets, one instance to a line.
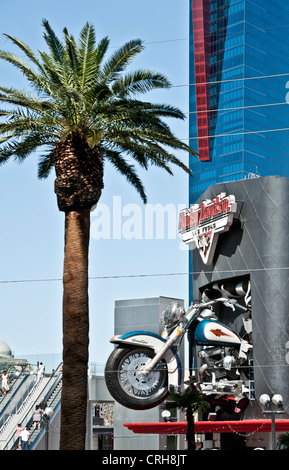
[239, 92]
[239, 70]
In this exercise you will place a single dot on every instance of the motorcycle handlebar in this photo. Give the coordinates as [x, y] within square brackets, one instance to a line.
[232, 303]
[214, 301]
[194, 310]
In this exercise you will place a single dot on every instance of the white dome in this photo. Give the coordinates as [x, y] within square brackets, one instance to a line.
[4, 349]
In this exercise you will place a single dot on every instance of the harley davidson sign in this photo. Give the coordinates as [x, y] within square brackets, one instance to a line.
[202, 224]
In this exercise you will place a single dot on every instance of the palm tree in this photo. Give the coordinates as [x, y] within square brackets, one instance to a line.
[80, 112]
[190, 401]
[283, 441]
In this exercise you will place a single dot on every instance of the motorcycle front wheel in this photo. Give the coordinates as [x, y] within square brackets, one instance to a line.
[126, 383]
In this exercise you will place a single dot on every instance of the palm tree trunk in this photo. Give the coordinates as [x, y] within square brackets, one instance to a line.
[75, 330]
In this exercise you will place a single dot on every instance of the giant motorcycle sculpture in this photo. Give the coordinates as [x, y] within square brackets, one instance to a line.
[145, 367]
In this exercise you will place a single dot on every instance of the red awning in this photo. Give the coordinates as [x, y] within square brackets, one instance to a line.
[251, 425]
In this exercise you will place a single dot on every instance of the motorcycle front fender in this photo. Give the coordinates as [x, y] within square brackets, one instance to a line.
[155, 342]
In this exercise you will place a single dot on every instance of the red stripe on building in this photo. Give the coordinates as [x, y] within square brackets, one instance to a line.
[201, 35]
[252, 425]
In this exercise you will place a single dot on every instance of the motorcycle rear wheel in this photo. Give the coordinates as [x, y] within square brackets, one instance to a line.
[126, 384]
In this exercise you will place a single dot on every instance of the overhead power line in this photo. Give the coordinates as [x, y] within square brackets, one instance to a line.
[258, 77]
[221, 34]
[144, 275]
[262, 131]
[216, 110]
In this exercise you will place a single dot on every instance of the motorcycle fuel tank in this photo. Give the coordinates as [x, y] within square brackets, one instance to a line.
[214, 333]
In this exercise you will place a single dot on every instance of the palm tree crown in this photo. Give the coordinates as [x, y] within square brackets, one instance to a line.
[82, 101]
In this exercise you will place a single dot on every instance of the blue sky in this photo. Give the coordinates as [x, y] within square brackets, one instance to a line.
[32, 228]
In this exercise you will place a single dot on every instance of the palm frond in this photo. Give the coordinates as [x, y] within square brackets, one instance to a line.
[26, 49]
[188, 398]
[127, 170]
[23, 100]
[140, 81]
[21, 65]
[22, 148]
[54, 72]
[55, 46]
[45, 165]
[120, 59]
[87, 57]
[71, 62]
[101, 50]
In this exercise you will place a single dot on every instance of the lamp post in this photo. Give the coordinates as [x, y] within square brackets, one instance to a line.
[48, 413]
[272, 406]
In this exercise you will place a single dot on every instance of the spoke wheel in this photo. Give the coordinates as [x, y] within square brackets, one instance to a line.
[128, 385]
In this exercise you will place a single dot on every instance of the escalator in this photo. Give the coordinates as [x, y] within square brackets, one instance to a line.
[22, 406]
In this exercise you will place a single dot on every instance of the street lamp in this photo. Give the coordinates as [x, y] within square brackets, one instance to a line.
[276, 408]
[166, 415]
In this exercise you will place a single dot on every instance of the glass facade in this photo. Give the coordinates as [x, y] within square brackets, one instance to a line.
[239, 70]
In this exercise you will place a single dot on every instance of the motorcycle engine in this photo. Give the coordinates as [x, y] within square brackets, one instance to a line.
[222, 362]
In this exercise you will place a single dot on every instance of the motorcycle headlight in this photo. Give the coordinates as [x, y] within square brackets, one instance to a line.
[172, 314]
